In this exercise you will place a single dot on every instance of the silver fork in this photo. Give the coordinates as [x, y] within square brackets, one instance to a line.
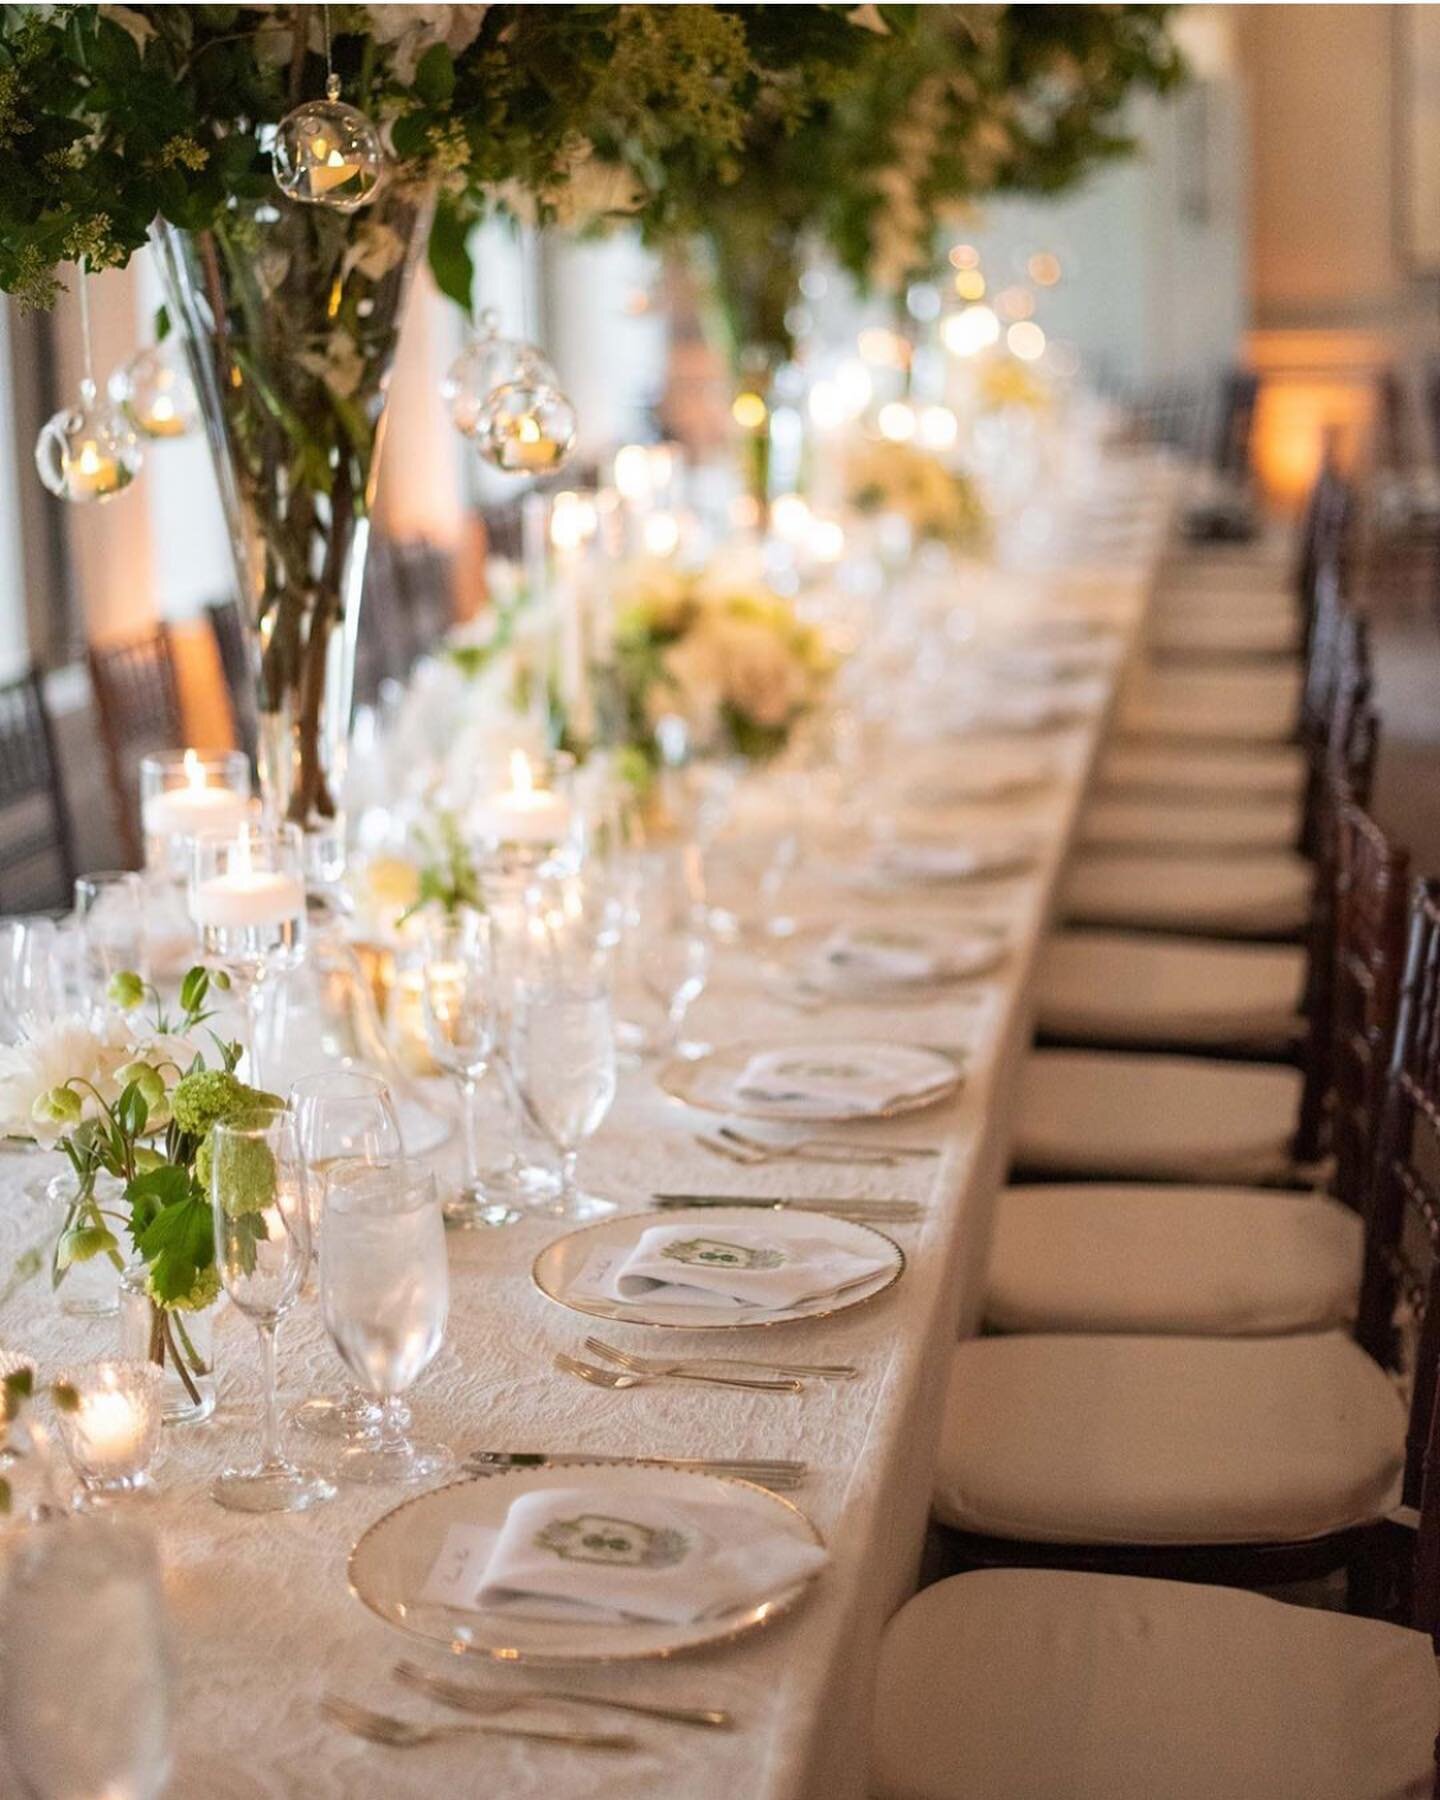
[617, 1378]
[752, 1155]
[736, 1136]
[650, 1365]
[813, 1149]
[406, 1734]
[465, 1698]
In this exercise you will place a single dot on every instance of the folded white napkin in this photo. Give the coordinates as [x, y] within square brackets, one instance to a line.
[871, 953]
[911, 861]
[859, 1078]
[776, 1267]
[603, 1554]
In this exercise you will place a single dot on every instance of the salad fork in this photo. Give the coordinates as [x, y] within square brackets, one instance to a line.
[739, 1137]
[464, 1697]
[623, 1378]
[650, 1365]
[812, 1149]
[407, 1734]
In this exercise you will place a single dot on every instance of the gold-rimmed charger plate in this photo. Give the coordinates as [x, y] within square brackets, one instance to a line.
[391, 1560]
[559, 1266]
[708, 1081]
[973, 948]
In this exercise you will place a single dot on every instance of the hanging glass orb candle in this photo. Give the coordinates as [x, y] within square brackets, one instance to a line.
[88, 452]
[155, 393]
[527, 426]
[490, 361]
[328, 154]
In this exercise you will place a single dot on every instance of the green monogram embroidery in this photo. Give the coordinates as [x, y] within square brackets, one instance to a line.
[826, 1071]
[715, 1253]
[594, 1538]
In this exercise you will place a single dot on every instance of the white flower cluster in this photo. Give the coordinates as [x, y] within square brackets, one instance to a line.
[90, 1058]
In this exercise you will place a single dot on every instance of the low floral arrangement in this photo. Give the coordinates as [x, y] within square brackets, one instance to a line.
[938, 503]
[127, 1093]
[723, 654]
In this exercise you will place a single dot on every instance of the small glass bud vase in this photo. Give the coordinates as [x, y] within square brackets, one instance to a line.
[178, 1340]
[109, 1415]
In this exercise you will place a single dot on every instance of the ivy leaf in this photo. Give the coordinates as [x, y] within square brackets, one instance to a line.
[178, 1244]
[449, 253]
[435, 75]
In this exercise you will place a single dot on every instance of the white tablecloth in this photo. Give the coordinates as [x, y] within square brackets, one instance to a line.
[263, 1618]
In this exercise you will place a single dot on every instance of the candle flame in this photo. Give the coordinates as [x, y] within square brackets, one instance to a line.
[240, 861]
[194, 770]
[89, 458]
[522, 779]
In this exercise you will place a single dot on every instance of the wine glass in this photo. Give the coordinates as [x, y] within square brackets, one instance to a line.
[262, 1250]
[385, 1293]
[31, 974]
[562, 1045]
[341, 1115]
[110, 911]
[665, 948]
[83, 1613]
[459, 1003]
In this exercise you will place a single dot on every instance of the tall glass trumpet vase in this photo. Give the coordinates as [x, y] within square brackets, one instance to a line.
[247, 901]
[262, 1249]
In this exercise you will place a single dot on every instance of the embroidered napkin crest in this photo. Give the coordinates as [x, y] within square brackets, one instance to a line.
[595, 1538]
[715, 1253]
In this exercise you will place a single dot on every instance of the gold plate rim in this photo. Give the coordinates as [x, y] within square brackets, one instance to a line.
[666, 1074]
[548, 1659]
[710, 1214]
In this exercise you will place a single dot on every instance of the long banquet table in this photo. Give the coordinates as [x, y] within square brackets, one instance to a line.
[263, 1620]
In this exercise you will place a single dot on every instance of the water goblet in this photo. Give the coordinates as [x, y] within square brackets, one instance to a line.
[459, 1006]
[83, 1614]
[262, 1249]
[385, 1294]
[341, 1115]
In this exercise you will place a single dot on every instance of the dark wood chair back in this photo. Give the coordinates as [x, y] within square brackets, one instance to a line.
[137, 698]
[1370, 907]
[227, 627]
[1235, 425]
[1399, 1316]
[1394, 446]
[37, 844]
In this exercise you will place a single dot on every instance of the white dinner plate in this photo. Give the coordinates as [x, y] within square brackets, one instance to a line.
[962, 953]
[711, 1081]
[389, 1566]
[561, 1264]
[931, 862]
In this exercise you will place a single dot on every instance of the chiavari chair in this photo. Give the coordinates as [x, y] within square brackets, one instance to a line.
[37, 858]
[137, 699]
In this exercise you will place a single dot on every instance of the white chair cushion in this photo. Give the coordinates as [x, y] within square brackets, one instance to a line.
[1024, 1684]
[1260, 705]
[1120, 986]
[1129, 822]
[1248, 772]
[1257, 891]
[1069, 1439]
[1240, 630]
[1177, 1118]
[1213, 1262]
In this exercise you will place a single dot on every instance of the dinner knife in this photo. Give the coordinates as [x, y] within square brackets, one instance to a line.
[779, 1203]
[540, 1459]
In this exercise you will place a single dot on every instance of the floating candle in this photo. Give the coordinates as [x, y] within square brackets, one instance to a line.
[523, 813]
[196, 807]
[243, 897]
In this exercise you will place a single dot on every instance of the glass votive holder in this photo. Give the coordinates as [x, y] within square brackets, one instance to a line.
[523, 821]
[108, 1413]
[184, 793]
[247, 895]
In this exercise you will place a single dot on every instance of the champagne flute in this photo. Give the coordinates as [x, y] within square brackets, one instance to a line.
[341, 1115]
[385, 1293]
[262, 1249]
[563, 1038]
[665, 949]
[459, 1004]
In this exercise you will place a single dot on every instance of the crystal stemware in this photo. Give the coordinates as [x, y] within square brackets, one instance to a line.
[341, 1115]
[459, 1004]
[665, 948]
[110, 912]
[262, 1249]
[385, 1293]
[82, 1614]
[562, 1033]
